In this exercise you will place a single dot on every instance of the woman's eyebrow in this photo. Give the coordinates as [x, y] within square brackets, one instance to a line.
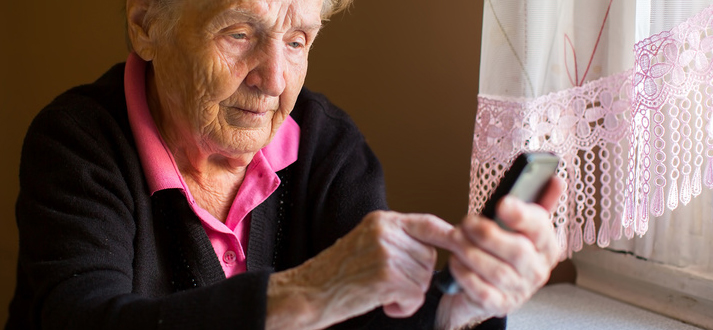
[240, 13]
[311, 27]
[243, 15]
[232, 15]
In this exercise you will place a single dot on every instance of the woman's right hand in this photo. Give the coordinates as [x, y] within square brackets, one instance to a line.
[381, 262]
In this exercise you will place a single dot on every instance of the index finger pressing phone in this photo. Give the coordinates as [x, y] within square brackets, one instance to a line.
[526, 180]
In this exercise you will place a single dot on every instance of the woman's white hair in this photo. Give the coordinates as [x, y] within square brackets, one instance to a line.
[163, 9]
[331, 7]
[163, 12]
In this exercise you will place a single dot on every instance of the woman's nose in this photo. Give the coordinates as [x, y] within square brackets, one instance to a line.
[268, 74]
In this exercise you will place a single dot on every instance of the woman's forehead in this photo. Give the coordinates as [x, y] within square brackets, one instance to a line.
[255, 10]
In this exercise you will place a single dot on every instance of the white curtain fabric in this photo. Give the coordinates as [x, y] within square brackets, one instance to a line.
[622, 91]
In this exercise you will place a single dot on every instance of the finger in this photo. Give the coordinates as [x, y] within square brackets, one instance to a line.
[489, 268]
[478, 291]
[399, 297]
[402, 298]
[430, 230]
[532, 221]
[404, 307]
[419, 226]
[402, 287]
[405, 258]
[419, 272]
[512, 248]
[389, 226]
[551, 195]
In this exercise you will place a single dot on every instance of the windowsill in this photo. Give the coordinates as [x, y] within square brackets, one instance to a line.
[679, 293]
[566, 306]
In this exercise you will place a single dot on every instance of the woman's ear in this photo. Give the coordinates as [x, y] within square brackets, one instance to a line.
[138, 28]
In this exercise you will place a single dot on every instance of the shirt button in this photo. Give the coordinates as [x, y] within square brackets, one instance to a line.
[229, 257]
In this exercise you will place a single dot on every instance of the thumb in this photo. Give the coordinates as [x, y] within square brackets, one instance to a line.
[404, 307]
[429, 229]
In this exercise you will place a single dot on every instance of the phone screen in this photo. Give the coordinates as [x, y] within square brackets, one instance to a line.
[533, 179]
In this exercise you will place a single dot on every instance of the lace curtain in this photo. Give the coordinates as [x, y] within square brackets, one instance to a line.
[623, 91]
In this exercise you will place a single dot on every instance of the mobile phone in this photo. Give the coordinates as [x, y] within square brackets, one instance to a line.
[526, 180]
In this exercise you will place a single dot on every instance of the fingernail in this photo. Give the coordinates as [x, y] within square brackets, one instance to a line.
[509, 201]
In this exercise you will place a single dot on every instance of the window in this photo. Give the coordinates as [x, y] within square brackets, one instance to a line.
[635, 129]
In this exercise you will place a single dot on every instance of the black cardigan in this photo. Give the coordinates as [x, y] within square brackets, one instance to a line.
[98, 252]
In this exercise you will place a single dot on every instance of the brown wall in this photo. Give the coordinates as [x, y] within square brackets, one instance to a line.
[405, 70]
[47, 47]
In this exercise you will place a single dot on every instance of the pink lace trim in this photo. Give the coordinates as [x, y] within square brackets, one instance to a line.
[613, 134]
[672, 110]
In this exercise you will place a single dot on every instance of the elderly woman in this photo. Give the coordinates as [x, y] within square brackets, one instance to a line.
[198, 185]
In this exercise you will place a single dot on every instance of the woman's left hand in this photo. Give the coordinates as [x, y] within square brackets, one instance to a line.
[498, 270]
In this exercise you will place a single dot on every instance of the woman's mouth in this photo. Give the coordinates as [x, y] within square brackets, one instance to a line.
[246, 118]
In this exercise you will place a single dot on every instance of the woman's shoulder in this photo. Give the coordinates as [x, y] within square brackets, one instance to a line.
[314, 110]
[90, 107]
[328, 134]
[106, 93]
[89, 120]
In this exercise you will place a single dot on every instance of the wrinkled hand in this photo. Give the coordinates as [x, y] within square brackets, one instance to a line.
[500, 270]
[381, 262]
[388, 260]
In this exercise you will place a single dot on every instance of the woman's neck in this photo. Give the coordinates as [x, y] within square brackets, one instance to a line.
[214, 189]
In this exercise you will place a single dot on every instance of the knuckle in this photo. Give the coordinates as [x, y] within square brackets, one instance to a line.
[377, 214]
[486, 229]
[368, 226]
[378, 249]
[379, 217]
[483, 295]
[501, 274]
[507, 306]
[374, 217]
[383, 249]
[520, 254]
[455, 236]
[377, 226]
[541, 275]
[470, 221]
[471, 224]
[554, 255]
[482, 230]
[471, 256]
[431, 256]
[493, 302]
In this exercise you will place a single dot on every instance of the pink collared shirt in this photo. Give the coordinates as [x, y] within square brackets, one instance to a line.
[229, 239]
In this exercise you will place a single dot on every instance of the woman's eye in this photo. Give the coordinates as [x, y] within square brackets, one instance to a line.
[295, 44]
[239, 36]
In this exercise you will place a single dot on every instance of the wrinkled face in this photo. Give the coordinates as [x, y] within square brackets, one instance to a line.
[229, 71]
